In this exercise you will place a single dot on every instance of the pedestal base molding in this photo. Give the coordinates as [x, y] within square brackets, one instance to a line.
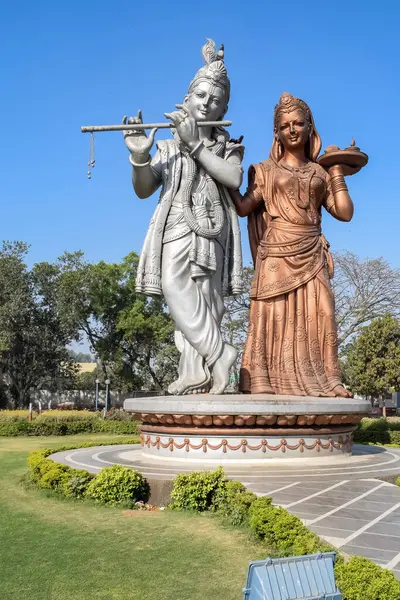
[235, 447]
[246, 427]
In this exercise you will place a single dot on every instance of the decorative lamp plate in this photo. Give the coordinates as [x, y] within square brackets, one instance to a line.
[351, 157]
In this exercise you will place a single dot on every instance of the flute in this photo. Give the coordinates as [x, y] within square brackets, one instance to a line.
[92, 129]
[141, 126]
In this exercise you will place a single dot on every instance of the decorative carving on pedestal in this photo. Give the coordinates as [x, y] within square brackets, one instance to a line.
[188, 420]
[343, 443]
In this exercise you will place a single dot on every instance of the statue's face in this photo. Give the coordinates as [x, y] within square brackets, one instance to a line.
[293, 130]
[206, 102]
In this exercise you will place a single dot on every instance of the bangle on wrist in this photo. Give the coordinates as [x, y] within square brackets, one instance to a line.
[338, 184]
[197, 147]
[134, 164]
[336, 171]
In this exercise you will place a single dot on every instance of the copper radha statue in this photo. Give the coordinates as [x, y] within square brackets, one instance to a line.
[292, 345]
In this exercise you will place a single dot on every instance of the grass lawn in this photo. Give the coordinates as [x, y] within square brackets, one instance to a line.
[55, 549]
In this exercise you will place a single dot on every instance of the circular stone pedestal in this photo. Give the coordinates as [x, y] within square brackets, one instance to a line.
[246, 427]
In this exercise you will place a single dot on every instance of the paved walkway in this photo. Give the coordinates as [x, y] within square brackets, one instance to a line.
[343, 503]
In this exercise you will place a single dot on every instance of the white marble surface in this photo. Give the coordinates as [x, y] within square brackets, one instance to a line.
[248, 404]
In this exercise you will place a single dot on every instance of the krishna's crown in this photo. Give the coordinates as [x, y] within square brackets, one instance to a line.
[214, 69]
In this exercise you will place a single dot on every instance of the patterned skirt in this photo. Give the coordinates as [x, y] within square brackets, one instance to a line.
[292, 346]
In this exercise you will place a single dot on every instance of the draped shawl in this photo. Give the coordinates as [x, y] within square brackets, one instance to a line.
[148, 280]
[293, 254]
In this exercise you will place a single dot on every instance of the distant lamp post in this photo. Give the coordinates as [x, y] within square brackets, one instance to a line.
[96, 402]
[107, 382]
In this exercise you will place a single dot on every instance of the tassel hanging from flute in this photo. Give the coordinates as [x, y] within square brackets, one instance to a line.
[91, 161]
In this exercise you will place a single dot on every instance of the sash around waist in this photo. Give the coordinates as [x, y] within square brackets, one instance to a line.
[306, 237]
[307, 230]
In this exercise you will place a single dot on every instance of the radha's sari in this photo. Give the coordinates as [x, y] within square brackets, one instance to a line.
[291, 346]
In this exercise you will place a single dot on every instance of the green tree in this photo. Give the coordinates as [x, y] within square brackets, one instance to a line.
[131, 335]
[86, 381]
[372, 363]
[80, 357]
[33, 339]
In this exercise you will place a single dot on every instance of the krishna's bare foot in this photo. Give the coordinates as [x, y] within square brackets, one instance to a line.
[199, 379]
[192, 385]
[172, 388]
[340, 392]
[204, 389]
[220, 370]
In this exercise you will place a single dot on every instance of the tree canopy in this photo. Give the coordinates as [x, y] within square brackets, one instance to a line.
[33, 338]
[46, 308]
[372, 364]
[131, 335]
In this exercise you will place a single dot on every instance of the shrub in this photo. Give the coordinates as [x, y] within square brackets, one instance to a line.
[361, 579]
[282, 531]
[48, 426]
[259, 512]
[54, 477]
[115, 426]
[309, 543]
[233, 500]
[398, 481]
[118, 414]
[48, 474]
[197, 490]
[226, 492]
[118, 485]
[71, 482]
[77, 483]
[38, 461]
[372, 431]
[377, 431]
[38, 464]
[238, 507]
[65, 423]
[14, 427]
[394, 437]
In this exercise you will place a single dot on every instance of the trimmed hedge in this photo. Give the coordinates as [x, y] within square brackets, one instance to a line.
[284, 533]
[114, 485]
[377, 431]
[197, 490]
[233, 500]
[206, 490]
[118, 485]
[65, 424]
[361, 579]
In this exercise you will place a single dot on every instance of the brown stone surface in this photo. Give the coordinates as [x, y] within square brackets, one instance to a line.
[247, 420]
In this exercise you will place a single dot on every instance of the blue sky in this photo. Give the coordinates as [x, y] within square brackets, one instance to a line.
[67, 64]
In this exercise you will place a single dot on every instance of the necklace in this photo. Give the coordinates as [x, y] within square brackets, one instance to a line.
[309, 171]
